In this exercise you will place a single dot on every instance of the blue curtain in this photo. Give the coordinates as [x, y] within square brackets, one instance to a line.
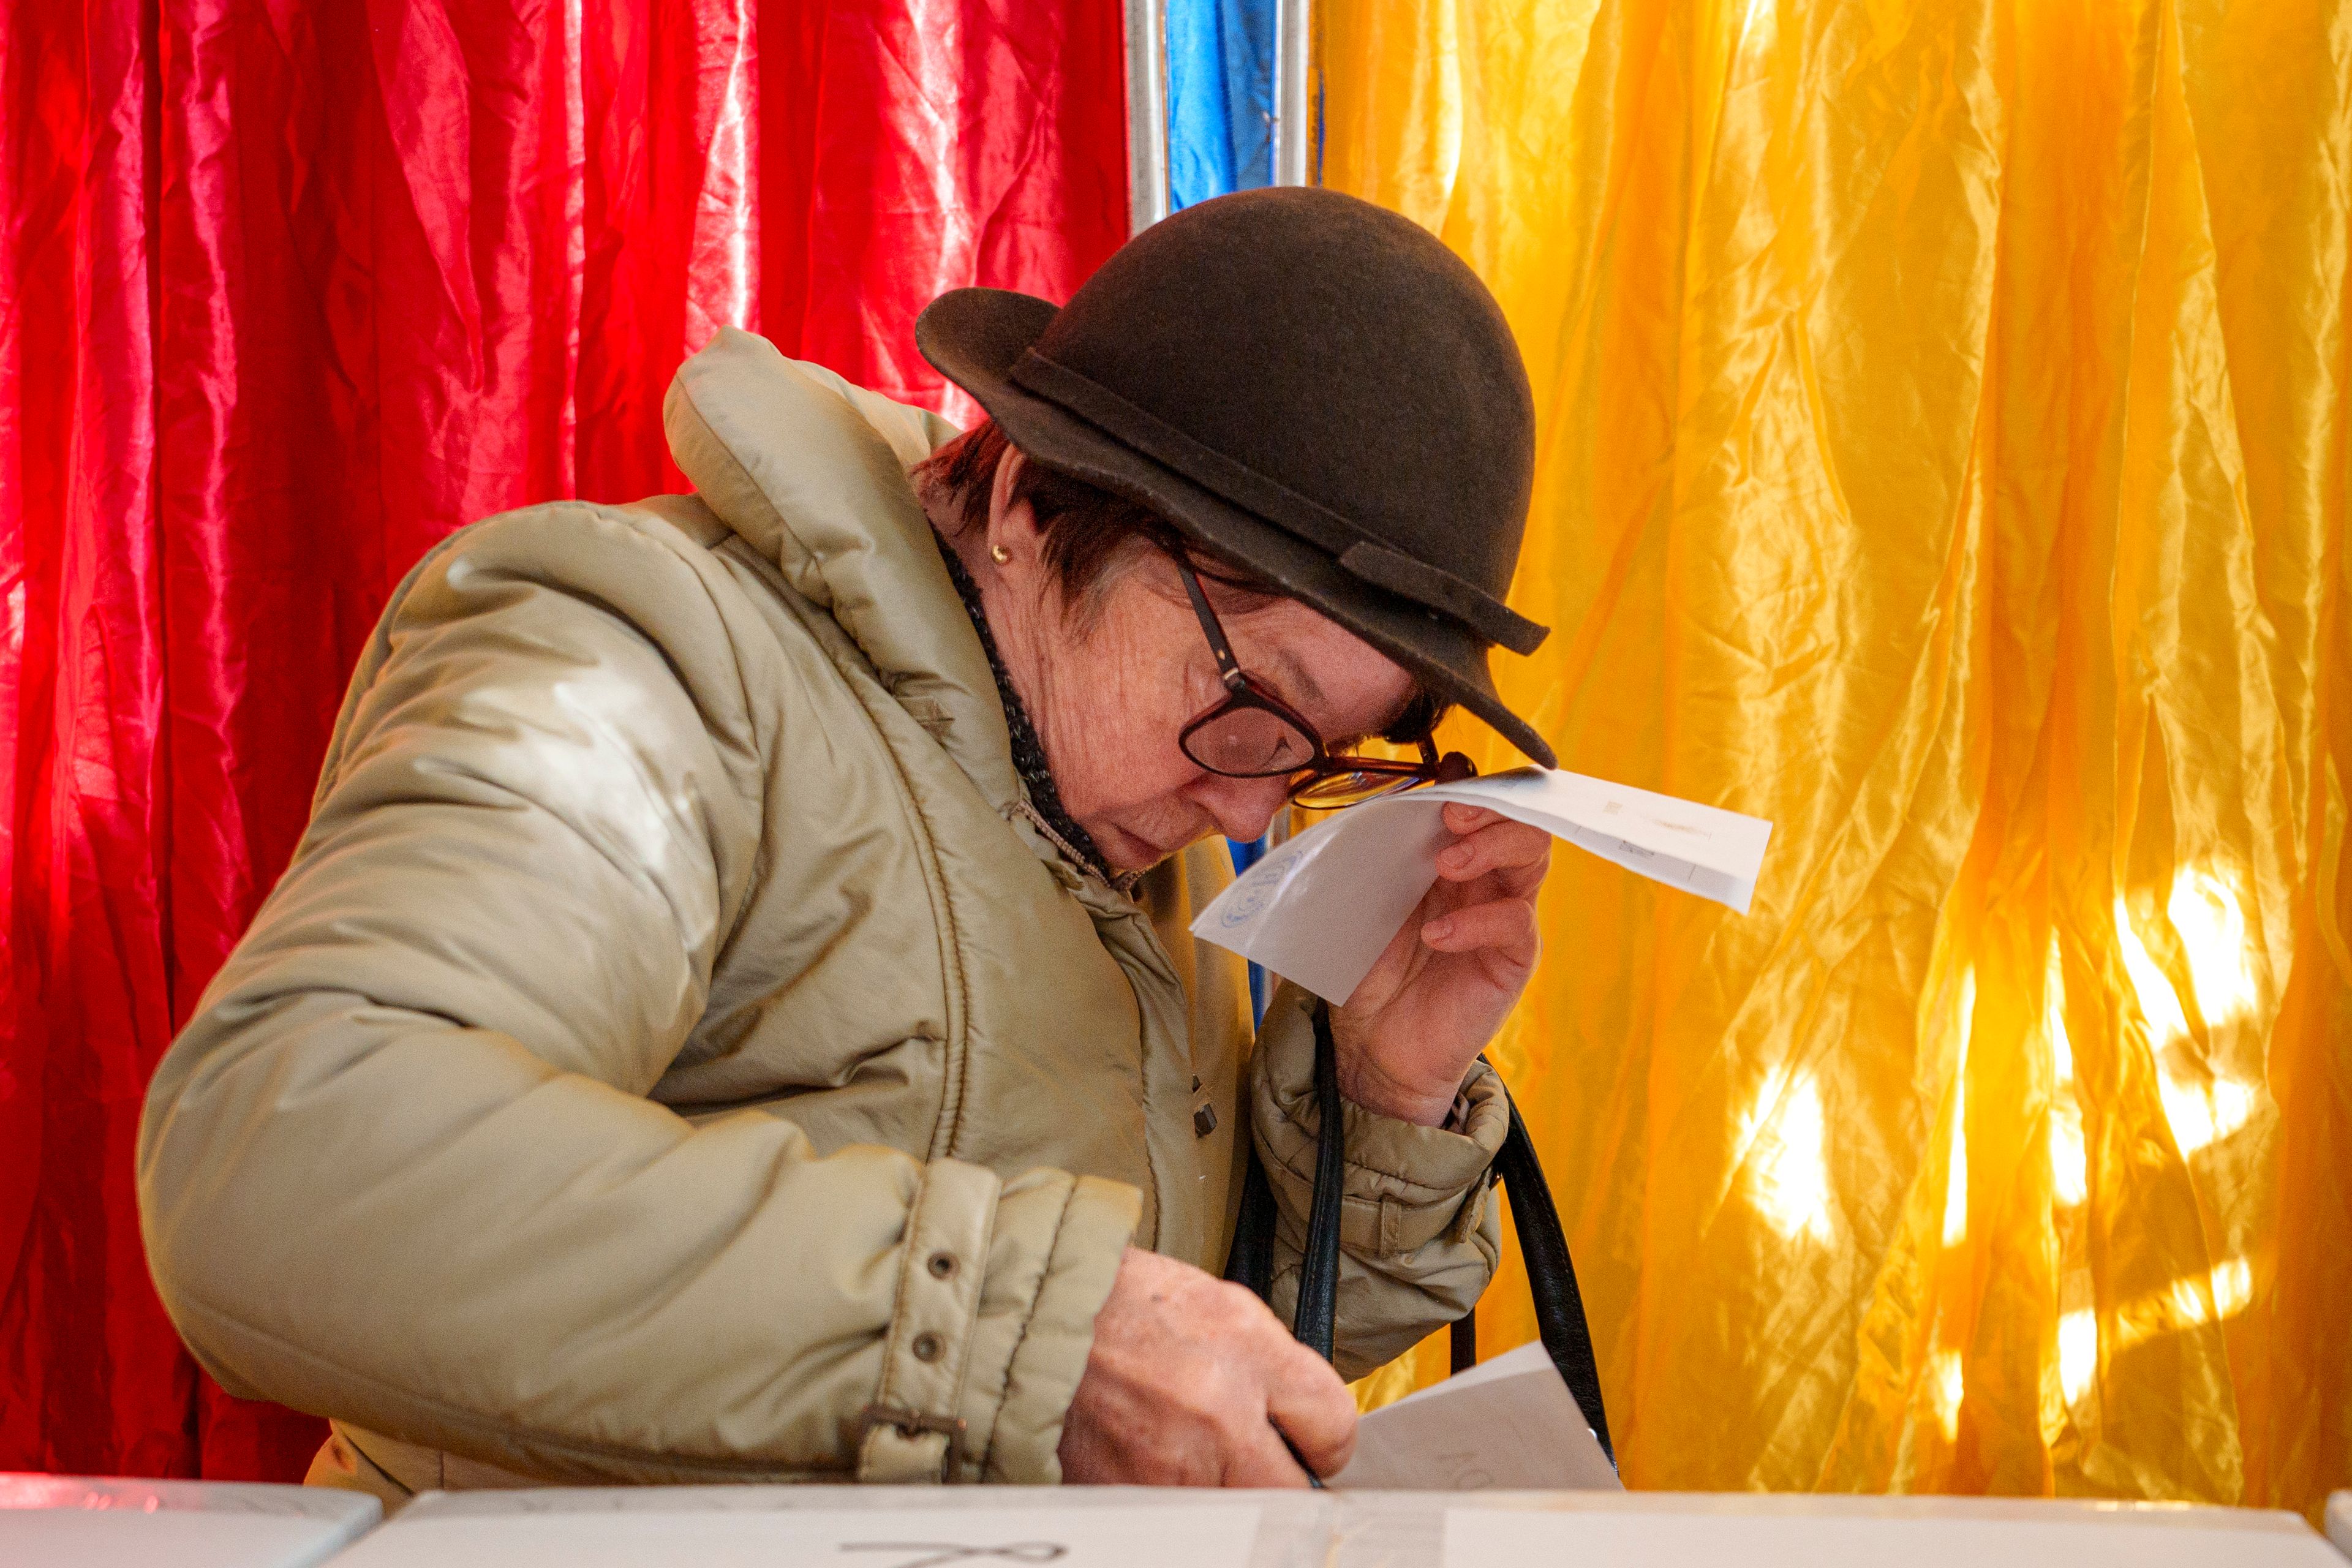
[1220, 98]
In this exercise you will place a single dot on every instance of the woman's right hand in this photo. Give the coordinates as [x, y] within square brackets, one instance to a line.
[1187, 1380]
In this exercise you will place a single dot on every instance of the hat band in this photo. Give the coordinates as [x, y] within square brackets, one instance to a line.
[1358, 553]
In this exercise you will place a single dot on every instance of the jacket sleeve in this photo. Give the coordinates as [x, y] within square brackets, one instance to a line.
[1419, 1234]
[400, 1167]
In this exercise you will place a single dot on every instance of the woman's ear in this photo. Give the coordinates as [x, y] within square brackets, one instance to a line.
[1012, 523]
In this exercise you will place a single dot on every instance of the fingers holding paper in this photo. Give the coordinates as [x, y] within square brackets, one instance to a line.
[1192, 1381]
[1421, 1005]
[1491, 853]
[1437, 994]
[1505, 929]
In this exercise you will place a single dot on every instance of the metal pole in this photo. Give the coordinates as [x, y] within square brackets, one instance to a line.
[1147, 114]
[1294, 127]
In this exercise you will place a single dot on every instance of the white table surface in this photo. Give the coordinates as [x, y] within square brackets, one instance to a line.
[92, 1522]
[964, 1527]
[1754, 1530]
[712, 1527]
[105, 1524]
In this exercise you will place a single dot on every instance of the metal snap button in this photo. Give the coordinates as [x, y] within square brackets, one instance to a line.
[926, 1347]
[942, 1265]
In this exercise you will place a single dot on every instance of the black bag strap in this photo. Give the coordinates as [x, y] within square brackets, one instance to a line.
[1543, 1244]
[1250, 1262]
[1551, 1275]
[1316, 1324]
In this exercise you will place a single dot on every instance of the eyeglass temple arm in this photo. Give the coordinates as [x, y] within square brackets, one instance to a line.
[1229, 669]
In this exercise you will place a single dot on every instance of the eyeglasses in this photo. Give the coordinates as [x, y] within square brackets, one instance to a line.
[1253, 734]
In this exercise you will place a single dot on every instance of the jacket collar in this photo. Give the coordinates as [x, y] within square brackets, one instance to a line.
[811, 471]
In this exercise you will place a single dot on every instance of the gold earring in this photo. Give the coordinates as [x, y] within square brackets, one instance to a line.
[998, 553]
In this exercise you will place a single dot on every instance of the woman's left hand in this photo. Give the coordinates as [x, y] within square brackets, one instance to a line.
[1436, 995]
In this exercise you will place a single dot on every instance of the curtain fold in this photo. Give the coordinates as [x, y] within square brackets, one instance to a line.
[1943, 414]
[1221, 98]
[288, 291]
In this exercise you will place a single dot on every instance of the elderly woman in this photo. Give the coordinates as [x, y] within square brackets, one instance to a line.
[732, 1015]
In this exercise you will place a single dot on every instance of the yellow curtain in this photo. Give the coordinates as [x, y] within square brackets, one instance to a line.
[1943, 454]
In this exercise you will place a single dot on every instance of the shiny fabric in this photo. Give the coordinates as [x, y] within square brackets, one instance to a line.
[288, 290]
[1220, 98]
[1943, 408]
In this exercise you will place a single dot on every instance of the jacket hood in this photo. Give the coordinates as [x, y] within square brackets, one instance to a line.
[811, 472]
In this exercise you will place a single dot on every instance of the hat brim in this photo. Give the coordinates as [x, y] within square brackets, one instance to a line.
[972, 336]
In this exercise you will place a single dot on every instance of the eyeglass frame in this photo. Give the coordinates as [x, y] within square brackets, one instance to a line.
[1244, 690]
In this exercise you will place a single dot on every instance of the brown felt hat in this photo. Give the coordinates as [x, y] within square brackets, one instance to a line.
[1310, 386]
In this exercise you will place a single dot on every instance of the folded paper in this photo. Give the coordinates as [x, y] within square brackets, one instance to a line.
[1318, 908]
[1509, 1424]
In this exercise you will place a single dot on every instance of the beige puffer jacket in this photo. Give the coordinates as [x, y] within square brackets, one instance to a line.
[674, 1054]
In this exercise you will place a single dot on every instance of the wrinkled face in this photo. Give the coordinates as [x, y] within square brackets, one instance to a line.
[1110, 683]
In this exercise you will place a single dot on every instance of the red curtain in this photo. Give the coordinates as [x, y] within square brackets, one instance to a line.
[289, 289]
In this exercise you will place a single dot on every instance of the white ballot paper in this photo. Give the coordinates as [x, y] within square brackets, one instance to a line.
[1508, 1424]
[1319, 908]
[2046, 1538]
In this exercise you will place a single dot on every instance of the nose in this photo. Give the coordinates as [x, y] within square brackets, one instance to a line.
[1242, 808]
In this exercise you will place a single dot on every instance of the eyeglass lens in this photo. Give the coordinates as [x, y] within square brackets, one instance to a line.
[1335, 790]
[1250, 742]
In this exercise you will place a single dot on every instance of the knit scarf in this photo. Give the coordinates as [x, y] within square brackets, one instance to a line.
[1028, 752]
